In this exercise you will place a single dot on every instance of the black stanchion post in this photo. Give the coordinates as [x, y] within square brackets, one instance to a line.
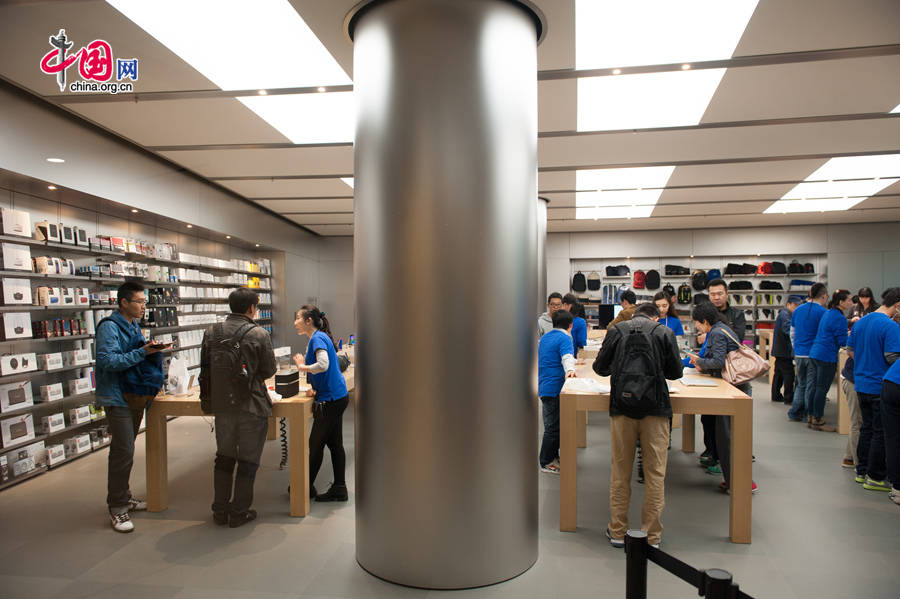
[718, 584]
[636, 564]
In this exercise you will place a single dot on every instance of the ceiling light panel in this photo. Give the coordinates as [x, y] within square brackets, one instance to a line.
[858, 167]
[632, 197]
[620, 34]
[812, 205]
[861, 188]
[308, 118]
[670, 99]
[348, 181]
[896, 109]
[622, 178]
[238, 44]
[585, 213]
[619, 192]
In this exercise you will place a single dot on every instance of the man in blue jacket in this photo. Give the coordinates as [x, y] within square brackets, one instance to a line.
[804, 326]
[121, 352]
[783, 352]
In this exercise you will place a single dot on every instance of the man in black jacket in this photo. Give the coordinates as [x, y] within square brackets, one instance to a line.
[783, 350]
[639, 354]
[717, 290]
[242, 418]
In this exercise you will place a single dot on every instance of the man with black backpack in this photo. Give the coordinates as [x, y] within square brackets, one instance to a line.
[639, 355]
[235, 361]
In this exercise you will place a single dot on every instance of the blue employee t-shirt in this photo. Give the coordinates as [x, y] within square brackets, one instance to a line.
[329, 385]
[831, 336]
[893, 373]
[579, 334]
[551, 374]
[674, 324]
[872, 336]
[805, 323]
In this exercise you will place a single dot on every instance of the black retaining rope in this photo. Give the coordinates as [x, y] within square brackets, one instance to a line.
[687, 573]
[282, 425]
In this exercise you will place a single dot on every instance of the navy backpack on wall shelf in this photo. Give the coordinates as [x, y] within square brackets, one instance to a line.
[593, 281]
[652, 279]
[579, 282]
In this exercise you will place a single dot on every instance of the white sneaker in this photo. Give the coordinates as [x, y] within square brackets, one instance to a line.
[894, 495]
[551, 468]
[617, 543]
[137, 505]
[121, 522]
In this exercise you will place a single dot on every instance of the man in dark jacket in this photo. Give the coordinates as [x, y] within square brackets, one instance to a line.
[783, 351]
[639, 407]
[242, 418]
[717, 290]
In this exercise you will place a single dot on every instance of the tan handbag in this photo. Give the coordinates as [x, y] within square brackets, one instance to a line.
[743, 364]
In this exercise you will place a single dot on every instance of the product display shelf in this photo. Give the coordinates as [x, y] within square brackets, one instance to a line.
[74, 427]
[209, 283]
[223, 312]
[79, 455]
[48, 340]
[148, 306]
[45, 404]
[27, 274]
[135, 257]
[203, 300]
[192, 266]
[263, 320]
[21, 478]
[24, 376]
[61, 247]
[186, 327]
[108, 280]
[22, 444]
[151, 284]
[32, 308]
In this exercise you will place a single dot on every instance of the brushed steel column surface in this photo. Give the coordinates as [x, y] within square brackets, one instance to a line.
[542, 292]
[446, 275]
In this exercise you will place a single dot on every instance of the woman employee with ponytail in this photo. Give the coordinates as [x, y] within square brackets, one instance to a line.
[330, 392]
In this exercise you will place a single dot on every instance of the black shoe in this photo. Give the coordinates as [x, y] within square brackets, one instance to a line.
[242, 518]
[220, 518]
[335, 493]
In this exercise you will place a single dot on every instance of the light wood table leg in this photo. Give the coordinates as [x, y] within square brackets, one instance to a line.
[581, 427]
[568, 466]
[272, 433]
[741, 473]
[843, 415]
[157, 450]
[298, 457]
[676, 421]
[687, 433]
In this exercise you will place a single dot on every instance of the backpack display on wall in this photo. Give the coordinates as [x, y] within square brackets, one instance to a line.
[699, 298]
[748, 269]
[611, 271]
[778, 268]
[764, 268]
[668, 290]
[593, 281]
[652, 281]
[673, 270]
[640, 279]
[741, 285]
[809, 268]
[713, 273]
[698, 280]
[734, 269]
[684, 294]
[770, 285]
[795, 267]
[579, 282]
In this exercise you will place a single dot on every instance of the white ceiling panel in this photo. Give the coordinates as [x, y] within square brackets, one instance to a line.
[556, 180]
[333, 160]
[290, 188]
[332, 230]
[744, 172]
[557, 100]
[321, 219]
[807, 89]
[708, 195]
[704, 208]
[801, 25]
[27, 27]
[310, 205]
[182, 122]
[666, 147]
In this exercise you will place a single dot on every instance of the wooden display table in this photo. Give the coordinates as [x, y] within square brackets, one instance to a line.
[765, 349]
[723, 399]
[297, 410]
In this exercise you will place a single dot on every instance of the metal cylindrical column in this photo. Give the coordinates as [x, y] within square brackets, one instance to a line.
[446, 275]
[542, 255]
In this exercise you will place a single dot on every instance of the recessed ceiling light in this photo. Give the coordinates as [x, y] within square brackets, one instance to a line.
[190, 226]
[263, 92]
[617, 71]
[135, 210]
[667, 32]
[896, 109]
[692, 255]
[228, 237]
[51, 187]
[252, 41]
[308, 118]
[257, 245]
[55, 160]
[320, 89]
[674, 98]
[685, 67]
[348, 181]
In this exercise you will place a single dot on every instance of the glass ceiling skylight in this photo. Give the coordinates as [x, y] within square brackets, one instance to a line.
[620, 33]
[840, 184]
[896, 109]
[308, 118]
[238, 44]
[668, 99]
[348, 181]
[619, 192]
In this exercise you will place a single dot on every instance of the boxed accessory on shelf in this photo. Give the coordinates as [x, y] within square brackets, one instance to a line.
[80, 415]
[79, 386]
[77, 445]
[56, 454]
[66, 234]
[16, 222]
[24, 464]
[4, 469]
[46, 231]
[16, 291]
[17, 325]
[76, 357]
[82, 296]
[52, 423]
[81, 236]
[15, 396]
[17, 429]
[16, 257]
[17, 363]
[47, 296]
[67, 296]
[97, 412]
[52, 392]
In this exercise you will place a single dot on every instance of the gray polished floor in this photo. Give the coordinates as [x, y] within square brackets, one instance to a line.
[815, 532]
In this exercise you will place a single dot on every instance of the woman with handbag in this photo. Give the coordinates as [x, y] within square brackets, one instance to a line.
[720, 341]
[331, 399]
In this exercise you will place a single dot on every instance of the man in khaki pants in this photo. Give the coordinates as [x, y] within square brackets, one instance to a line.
[639, 355]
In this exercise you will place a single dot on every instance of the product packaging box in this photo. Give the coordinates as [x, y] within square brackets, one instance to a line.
[16, 257]
[80, 415]
[53, 423]
[77, 445]
[76, 357]
[15, 396]
[81, 236]
[18, 363]
[23, 465]
[117, 244]
[56, 454]
[47, 296]
[82, 296]
[67, 296]
[16, 291]
[50, 361]
[16, 222]
[17, 325]
[46, 231]
[52, 392]
[79, 386]
[66, 234]
[17, 429]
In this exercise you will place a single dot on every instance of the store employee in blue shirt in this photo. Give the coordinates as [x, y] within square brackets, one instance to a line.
[579, 324]
[875, 343]
[804, 326]
[556, 363]
[890, 412]
[668, 315]
[831, 336]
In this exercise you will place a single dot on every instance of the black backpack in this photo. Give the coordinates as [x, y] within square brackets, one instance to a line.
[741, 285]
[779, 268]
[579, 282]
[228, 378]
[652, 279]
[684, 294]
[699, 298]
[698, 280]
[669, 290]
[637, 368]
[770, 285]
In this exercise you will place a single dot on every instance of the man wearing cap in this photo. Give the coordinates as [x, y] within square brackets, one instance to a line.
[783, 351]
